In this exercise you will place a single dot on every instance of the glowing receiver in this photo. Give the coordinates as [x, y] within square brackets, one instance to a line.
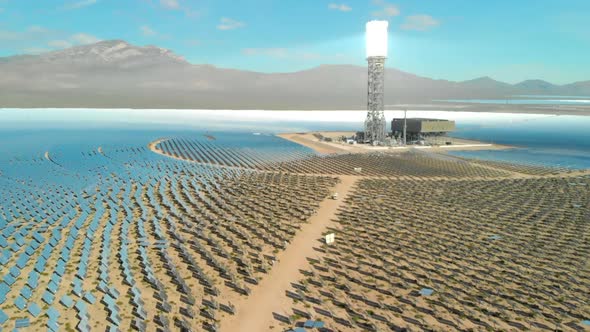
[376, 37]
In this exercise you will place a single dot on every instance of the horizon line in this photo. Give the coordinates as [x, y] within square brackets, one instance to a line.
[290, 72]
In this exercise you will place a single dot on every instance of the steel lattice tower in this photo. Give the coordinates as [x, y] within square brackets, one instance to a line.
[375, 125]
[376, 38]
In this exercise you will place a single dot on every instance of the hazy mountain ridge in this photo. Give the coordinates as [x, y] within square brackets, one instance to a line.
[105, 52]
[117, 74]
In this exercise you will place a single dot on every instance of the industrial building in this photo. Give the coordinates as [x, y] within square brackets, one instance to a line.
[421, 129]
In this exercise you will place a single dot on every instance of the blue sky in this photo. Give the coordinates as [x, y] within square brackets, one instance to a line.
[453, 39]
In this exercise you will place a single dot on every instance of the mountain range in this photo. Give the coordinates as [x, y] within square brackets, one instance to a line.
[116, 74]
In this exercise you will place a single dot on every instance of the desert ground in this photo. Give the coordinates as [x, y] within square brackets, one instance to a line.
[391, 221]
[314, 141]
[210, 237]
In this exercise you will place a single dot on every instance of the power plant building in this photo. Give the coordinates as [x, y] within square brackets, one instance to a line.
[421, 128]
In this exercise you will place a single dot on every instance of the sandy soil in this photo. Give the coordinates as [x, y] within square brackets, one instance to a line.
[309, 140]
[153, 147]
[312, 142]
[254, 313]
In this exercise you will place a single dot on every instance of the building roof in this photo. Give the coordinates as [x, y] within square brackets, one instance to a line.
[423, 119]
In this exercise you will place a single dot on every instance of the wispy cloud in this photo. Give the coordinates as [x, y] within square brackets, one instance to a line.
[175, 5]
[386, 9]
[193, 42]
[190, 13]
[37, 29]
[147, 31]
[229, 24]
[310, 56]
[270, 52]
[421, 22]
[32, 33]
[73, 40]
[35, 50]
[59, 44]
[341, 7]
[291, 54]
[80, 4]
[170, 4]
[38, 39]
[83, 39]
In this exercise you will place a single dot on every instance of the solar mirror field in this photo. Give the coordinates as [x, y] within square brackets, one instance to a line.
[223, 231]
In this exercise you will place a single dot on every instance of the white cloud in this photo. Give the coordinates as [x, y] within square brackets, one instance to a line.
[82, 38]
[73, 40]
[192, 13]
[340, 7]
[59, 44]
[325, 58]
[387, 9]
[6, 35]
[292, 54]
[270, 52]
[37, 39]
[80, 4]
[177, 5]
[34, 50]
[193, 42]
[77, 39]
[170, 4]
[310, 56]
[147, 31]
[420, 22]
[229, 24]
[31, 34]
[37, 29]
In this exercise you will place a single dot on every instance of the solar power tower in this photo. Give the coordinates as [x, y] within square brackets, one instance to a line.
[376, 48]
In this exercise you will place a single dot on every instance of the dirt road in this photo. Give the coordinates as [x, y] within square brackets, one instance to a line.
[254, 313]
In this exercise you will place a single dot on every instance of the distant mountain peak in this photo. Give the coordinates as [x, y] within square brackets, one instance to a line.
[117, 52]
[116, 73]
[483, 79]
[107, 43]
[536, 82]
[538, 86]
[485, 82]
